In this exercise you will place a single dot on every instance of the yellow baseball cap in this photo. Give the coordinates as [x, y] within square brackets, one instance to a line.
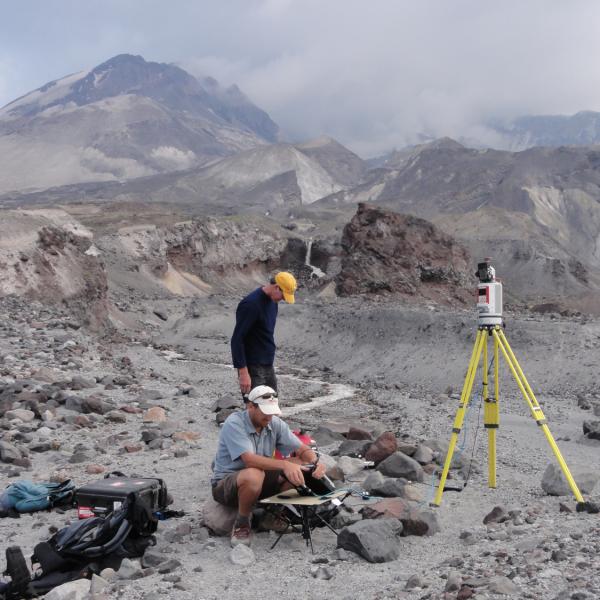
[287, 283]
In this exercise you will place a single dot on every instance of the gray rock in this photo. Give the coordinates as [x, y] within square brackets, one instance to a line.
[79, 457]
[9, 453]
[161, 313]
[73, 590]
[227, 401]
[98, 584]
[20, 413]
[390, 488]
[325, 436]
[169, 566]
[421, 521]
[148, 435]
[116, 416]
[497, 515]
[356, 448]
[350, 466]
[454, 582]
[373, 480]
[591, 429]
[130, 569]
[423, 455]
[222, 415]
[150, 559]
[345, 518]
[321, 573]
[400, 465]
[78, 382]
[74, 403]
[40, 447]
[243, 556]
[218, 518]
[503, 585]
[555, 484]
[376, 541]
[96, 405]
[413, 582]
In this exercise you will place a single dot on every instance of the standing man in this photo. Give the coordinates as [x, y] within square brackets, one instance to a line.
[252, 343]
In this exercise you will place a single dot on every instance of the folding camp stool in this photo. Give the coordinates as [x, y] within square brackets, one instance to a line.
[306, 507]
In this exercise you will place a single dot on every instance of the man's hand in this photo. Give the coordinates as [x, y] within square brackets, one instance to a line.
[293, 472]
[319, 471]
[244, 379]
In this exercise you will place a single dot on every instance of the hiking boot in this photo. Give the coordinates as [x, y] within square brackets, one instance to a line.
[241, 534]
[273, 522]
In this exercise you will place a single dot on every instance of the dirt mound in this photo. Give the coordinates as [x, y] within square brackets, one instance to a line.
[389, 253]
[47, 256]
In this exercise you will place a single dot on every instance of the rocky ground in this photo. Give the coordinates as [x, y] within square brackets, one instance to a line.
[76, 404]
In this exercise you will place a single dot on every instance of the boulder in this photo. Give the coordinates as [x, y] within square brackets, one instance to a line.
[375, 541]
[96, 405]
[591, 429]
[420, 521]
[350, 466]
[72, 590]
[156, 414]
[241, 555]
[354, 433]
[217, 517]
[390, 487]
[9, 453]
[227, 401]
[555, 484]
[504, 585]
[400, 465]
[78, 382]
[356, 448]
[325, 436]
[389, 508]
[372, 481]
[385, 445]
[498, 514]
[19, 413]
[423, 455]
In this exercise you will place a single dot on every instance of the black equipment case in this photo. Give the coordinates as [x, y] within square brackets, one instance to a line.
[99, 498]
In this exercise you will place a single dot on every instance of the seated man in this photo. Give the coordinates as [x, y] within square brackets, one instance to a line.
[244, 470]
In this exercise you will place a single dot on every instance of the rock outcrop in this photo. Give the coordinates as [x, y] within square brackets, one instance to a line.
[390, 253]
[47, 256]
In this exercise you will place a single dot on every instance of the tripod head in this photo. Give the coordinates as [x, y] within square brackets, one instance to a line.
[489, 295]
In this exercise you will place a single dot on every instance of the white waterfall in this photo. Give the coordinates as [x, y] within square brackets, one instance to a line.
[316, 272]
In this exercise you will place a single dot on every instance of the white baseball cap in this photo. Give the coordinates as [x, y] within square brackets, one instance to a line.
[266, 399]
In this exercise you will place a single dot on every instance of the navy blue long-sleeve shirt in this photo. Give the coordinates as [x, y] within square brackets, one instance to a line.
[252, 342]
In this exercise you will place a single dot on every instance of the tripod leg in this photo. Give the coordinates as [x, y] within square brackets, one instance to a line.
[490, 414]
[480, 342]
[535, 408]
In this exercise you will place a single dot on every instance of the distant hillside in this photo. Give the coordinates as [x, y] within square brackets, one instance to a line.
[265, 177]
[581, 129]
[536, 211]
[125, 118]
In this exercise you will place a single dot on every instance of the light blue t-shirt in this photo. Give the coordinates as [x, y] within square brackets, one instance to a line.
[238, 435]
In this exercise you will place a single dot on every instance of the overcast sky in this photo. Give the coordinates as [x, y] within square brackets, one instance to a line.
[374, 74]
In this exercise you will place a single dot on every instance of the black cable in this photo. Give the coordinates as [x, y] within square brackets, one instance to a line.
[468, 475]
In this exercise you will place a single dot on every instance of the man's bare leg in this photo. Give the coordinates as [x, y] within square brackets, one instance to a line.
[249, 484]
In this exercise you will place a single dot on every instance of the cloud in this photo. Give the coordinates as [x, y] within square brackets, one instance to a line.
[373, 75]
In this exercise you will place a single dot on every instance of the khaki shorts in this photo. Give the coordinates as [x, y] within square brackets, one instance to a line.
[225, 491]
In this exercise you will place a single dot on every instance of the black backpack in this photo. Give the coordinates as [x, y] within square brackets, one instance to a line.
[80, 549]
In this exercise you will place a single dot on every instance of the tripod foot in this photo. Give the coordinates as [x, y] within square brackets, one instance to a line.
[588, 507]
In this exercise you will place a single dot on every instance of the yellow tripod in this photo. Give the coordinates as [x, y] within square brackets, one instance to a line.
[492, 408]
